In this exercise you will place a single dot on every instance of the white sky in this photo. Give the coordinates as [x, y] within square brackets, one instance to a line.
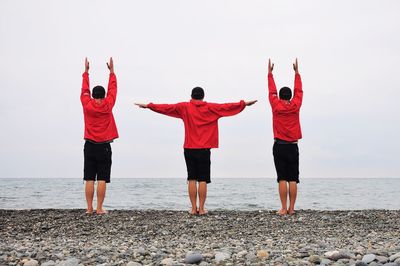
[349, 59]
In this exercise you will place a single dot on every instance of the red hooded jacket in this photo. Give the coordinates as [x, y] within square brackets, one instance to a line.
[286, 114]
[200, 119]
[99, 120]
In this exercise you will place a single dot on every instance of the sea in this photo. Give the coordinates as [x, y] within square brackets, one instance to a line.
[246, 194]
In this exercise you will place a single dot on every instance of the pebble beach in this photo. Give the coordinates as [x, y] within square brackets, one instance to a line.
[161, 237]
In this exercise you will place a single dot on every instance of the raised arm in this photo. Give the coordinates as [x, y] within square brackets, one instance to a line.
[85, 93]
[174, 110]
[298, 87]
[272, 93]
[112, 84]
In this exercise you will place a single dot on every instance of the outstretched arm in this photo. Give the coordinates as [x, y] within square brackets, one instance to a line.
[173, 110]
[85, 92]
[112, 84]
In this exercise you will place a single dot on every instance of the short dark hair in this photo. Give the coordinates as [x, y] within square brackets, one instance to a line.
[99, 92]
[198, 93]
[285, 93]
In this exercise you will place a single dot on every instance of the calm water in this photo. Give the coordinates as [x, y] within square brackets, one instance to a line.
[239, 194]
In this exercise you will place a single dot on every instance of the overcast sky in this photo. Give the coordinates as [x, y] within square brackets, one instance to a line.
[349, 59]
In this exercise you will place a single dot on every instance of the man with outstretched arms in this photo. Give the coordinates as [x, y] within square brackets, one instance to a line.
[200, 120]
[287, 132]
[100, 131]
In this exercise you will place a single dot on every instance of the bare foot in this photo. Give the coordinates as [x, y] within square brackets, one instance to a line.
[282, 212]
[89, 211]
[101, 212]
[193, 212]
[203, 212]
[291, 212]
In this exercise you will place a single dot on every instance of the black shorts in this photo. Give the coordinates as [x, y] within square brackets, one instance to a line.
[97, 165]
[286, 159]
[198, 164]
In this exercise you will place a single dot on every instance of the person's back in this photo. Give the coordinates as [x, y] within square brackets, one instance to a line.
[287, 132]
[200, 119]
[100, 131]
[99, 120]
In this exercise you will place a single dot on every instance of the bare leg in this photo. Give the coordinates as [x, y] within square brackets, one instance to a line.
[101, 193]
[192, 188]
[89, 192]
[202, 197]
[292, 196]
[283, 196]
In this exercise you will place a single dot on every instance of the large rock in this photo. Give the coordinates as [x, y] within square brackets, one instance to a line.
[337, 255]
[394, 256]
[31, 263]
[192, 258]
[368, 258]
[221, 256]
[133, 263]
[314, 259]
[167, 262]
[361, 263]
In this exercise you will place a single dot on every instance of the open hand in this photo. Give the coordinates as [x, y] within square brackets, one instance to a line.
[141, 105]
[270, 66]
[296, 67]
[86, 65]
[111, 65]
[248, 103]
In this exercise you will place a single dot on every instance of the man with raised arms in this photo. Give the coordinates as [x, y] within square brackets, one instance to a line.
[287, 132]
[100, 131]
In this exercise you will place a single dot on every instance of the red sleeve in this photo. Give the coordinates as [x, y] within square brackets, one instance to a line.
[227, 109]
[272, 93]
[298, 91]
[174, 110]
[112, 89]
[85, 93]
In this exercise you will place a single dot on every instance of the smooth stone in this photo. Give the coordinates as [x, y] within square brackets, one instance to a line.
[391, 264]
[337, 255]
[221, 256]
[141, 251]
[374, 264]
[314, 259]
[133, 263]
[382, 259]
[262, 254]
[48, 263]
[241, 253]
[192, 258]
[368, 258]
[167, 262]
[361, 263]
[397, 261]
[325, 261]
[394, 256]
[250, 256]
[69, 262]
[331, 254]
[31, 263]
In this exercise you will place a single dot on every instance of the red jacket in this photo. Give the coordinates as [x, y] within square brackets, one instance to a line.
[200, 119]
[99, 120]
[286, 120]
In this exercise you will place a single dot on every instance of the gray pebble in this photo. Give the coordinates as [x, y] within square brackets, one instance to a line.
[394, 256]
[391, 264]
[48, 263]
[361, 263]
[368, 258]
[382, 259]
[221, 256]
[69, 262]
[133, 263]
[192, 258]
